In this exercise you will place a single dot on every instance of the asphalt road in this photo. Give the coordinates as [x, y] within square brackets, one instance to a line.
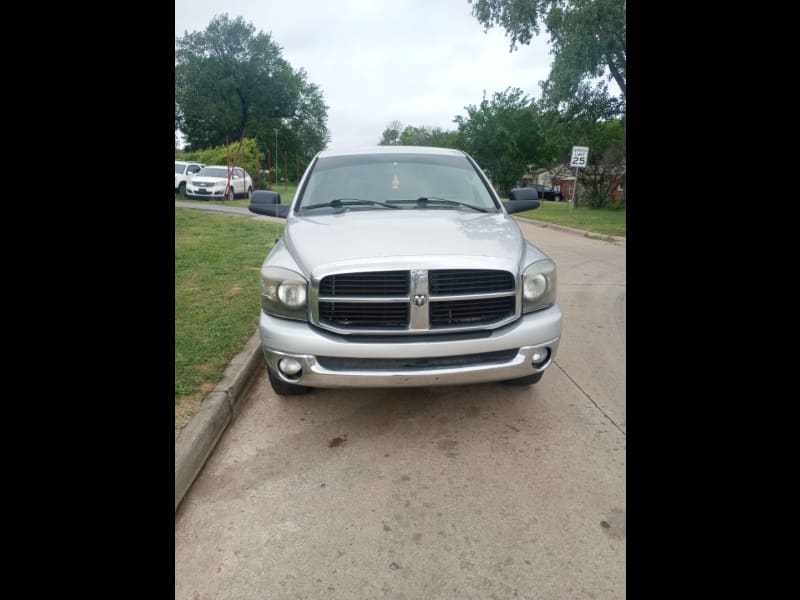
[484, 491]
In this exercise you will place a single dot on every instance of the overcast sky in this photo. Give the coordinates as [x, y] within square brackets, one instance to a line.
[416, 61]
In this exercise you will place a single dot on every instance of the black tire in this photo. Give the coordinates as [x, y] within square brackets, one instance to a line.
[282, 388]
[528, 380]
[182, 188]
[557, 197]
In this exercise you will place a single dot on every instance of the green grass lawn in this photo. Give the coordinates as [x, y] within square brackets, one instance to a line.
[217, 264]
[286, 197]
[598, 220]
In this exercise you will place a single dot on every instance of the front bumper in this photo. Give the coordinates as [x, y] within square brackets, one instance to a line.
[204, 193]
[373, 359]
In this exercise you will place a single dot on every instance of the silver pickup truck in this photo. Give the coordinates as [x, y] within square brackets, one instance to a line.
[400, 266]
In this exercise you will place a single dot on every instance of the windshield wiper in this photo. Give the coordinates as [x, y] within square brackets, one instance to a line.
[342, 202]
[423, 200]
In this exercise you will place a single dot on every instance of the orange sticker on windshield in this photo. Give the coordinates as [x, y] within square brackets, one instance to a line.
[395, 182]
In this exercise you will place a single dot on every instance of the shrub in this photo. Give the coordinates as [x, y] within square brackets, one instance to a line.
[219, 156]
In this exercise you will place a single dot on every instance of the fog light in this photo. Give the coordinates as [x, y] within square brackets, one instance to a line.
[540, 356]
[289, 366]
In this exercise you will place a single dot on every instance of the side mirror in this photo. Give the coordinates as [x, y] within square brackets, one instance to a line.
[524, 193]
[267, 203]
[520, 205]
[520, 199]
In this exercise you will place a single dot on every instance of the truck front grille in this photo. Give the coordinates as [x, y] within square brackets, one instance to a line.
[472, 281]
[382, 283]
[416, 301]
[471, 312]
[364, 314]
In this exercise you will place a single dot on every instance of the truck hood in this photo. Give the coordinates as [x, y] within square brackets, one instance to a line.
[403, 239]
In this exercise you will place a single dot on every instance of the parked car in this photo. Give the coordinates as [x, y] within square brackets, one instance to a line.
[545, 192]
[211, 181]
[184, 170]
[400, 266]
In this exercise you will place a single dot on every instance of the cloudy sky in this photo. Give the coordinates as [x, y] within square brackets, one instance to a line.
[416, 61]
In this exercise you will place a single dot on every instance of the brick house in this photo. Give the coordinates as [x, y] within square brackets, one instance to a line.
[618, 189]
[562, 179]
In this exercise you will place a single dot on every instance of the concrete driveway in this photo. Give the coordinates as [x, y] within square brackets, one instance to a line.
[484, 491]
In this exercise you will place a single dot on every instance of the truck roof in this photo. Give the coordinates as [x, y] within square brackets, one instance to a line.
[390, 150]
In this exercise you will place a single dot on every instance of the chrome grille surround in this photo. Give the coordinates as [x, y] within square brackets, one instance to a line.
[437, 300]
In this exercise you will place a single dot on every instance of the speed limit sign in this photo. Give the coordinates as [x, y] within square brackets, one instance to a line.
[579, 156]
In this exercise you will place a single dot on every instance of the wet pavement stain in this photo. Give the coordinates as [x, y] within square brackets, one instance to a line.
[337, 441]
[614, 524]
[473, 412]
[448, 447]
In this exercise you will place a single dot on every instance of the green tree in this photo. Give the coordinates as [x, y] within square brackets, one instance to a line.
[587, 38]
[442, 138]
[397, 135]
[230, 81]
[305, 133]
[605, 163]
[414, 136]
[391, 135]
[588, 122]
[504, 136]
[429, 136]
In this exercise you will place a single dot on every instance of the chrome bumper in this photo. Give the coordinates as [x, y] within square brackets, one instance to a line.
[282, 338]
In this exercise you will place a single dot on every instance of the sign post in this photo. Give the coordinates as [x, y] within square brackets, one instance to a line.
[580, 154]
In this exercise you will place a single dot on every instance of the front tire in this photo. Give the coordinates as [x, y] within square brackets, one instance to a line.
[283, 388]
[182, 189]
[527, 380]
[557, 197]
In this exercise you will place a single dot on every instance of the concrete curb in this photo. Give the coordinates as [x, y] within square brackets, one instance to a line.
[614, 239]
[199, 438]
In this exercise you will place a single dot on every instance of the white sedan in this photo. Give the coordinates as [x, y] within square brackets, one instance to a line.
[212, 181]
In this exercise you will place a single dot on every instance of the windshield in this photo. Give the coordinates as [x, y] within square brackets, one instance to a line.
[213, 172]
[373, 181]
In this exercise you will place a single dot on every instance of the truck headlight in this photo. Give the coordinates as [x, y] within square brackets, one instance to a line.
[284, 293]
[539, 285]
[292, 294]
